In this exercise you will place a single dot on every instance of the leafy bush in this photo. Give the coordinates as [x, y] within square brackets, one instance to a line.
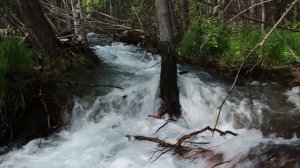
[239, 45]
[275, 51]
[204, 39]
[15, 63]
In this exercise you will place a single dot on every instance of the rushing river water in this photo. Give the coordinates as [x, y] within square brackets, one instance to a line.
[102, 117]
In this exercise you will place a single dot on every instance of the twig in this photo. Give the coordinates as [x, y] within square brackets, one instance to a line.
[137, 16]
[162, 126]
[164, 152]
[250, 18]
[248, 9]
[46, 109]
[218, 164]
[208, 128]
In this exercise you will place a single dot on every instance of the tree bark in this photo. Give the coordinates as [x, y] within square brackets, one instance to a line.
[40, 31]
[82, 29]
[168, 80]
[184, 11]
[263, 16]
[76, 16]
[252, 11]
[176, 27]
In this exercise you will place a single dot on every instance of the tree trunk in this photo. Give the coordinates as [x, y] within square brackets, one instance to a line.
[111, 9]
[82, 30]
[76, 16]
[40, 31]
[176, 31]
[252, 11]
[263, 16]
[184, 11]
[168, 80]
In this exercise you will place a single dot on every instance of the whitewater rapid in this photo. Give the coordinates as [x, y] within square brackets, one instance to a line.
[96, 137]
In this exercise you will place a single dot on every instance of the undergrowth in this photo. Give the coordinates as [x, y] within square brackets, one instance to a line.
[208, 42]
[16, 61]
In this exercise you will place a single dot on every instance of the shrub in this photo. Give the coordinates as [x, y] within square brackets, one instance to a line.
[15, 64]
[275, 51]
[239, 45]
[204, 39]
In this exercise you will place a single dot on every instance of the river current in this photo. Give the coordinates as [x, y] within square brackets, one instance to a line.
[267, 120]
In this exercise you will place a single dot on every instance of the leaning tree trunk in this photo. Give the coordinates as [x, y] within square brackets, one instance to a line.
[168, 79]
[40, 31]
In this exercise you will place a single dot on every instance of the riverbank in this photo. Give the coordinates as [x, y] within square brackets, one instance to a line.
[34, 102]
[284, 75]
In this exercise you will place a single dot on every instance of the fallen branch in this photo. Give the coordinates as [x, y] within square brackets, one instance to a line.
[183, 150]
[178, 149]
[188, 136]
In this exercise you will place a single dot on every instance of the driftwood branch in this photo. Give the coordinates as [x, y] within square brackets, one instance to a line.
[185, 151]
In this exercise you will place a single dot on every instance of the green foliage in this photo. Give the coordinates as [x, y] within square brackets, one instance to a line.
[91, 5]
[275, 51]
[207, 42]
[15, 64]
[240, 44]
[204, 39]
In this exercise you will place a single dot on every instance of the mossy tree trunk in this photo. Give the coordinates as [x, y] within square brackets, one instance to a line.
[40, 30]
[168, 80]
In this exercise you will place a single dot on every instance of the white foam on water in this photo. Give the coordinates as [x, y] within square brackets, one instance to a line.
[294, 96]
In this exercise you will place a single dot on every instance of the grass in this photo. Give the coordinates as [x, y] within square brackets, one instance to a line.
[16, 61]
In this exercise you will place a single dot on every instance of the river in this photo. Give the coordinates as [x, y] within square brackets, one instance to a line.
[268, 127]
